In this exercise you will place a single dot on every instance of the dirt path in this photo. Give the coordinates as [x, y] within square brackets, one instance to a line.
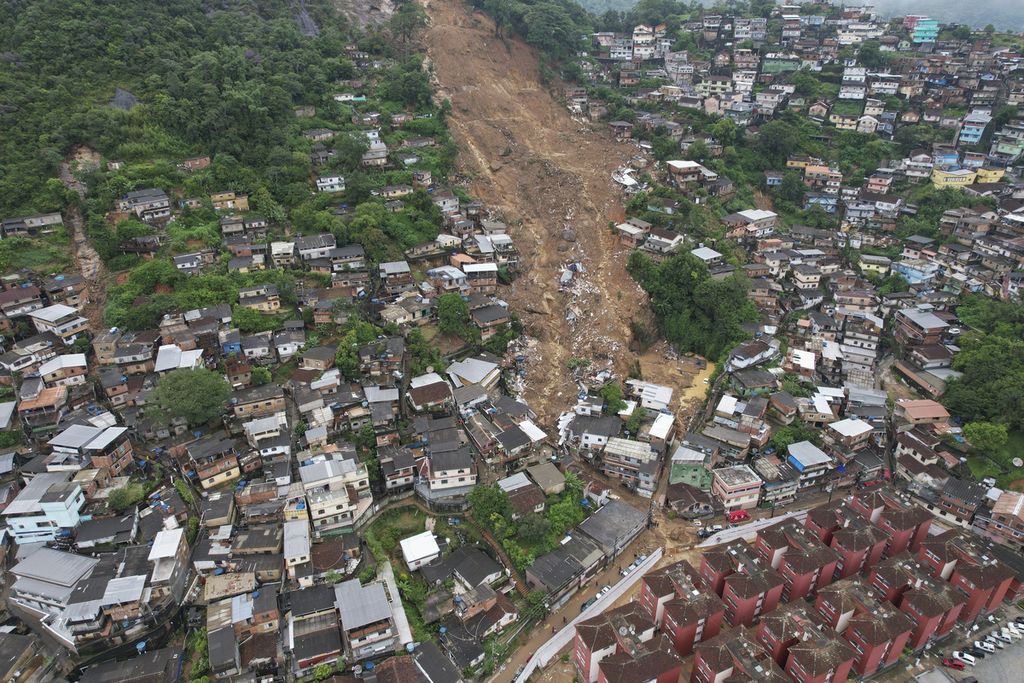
[87, 261]
[544, 173]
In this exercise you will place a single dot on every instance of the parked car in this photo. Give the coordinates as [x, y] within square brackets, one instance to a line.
[954, 664]
[716, 528]
[739, 516]
[604, 589]
[975, 652]
[588, 603]
[984, 646]
[1005, 637]
[964, 657]
[994, 642]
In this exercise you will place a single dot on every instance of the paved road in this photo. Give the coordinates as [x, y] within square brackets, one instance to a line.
[549, 650]
[749, 531]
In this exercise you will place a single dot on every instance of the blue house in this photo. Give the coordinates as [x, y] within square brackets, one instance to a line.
[829, 203]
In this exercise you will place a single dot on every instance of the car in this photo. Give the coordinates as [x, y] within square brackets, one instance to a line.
[1013, 628]
[627, 570]
[716, 528]
[975, 652]
[954, 664]
[588, 603]
[739, 516]
[1003, 637]
[969, 679]
[604, 589]
[707, 381]
[698, 524]
[984, 646]
[870, 484]
[964, 657]
[993, 641]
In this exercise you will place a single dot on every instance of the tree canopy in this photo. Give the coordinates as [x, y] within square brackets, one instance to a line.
[197, 396]
[696, 312]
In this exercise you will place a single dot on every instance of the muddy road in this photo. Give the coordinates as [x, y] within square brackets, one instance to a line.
[87, 261]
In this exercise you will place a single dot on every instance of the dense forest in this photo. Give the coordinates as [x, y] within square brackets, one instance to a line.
[155, 82]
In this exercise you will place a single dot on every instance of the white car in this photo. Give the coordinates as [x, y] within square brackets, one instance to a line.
[1013, 629]
[995, 642]
[964, 657]
[1005, 637]
[984, 646]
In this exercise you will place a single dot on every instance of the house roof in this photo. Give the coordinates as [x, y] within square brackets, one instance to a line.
[360, 605]
[54, 566]
[420, 546]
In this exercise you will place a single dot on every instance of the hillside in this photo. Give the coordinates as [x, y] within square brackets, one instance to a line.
[1003, 14]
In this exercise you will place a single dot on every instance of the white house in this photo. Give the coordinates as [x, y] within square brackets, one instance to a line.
[420, 549]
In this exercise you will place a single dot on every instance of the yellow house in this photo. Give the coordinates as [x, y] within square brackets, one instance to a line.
[843, 122]
[990, 175]
[958, 177]
[229, 200]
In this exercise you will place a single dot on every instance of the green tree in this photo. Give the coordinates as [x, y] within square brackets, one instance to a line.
[695, 312]
[260, 376]
[487, 502]
[612, 395]
[533, 529]
[197, 396]
[986, 437]
[453, 317]
[121, 499]
[793, 433]
[322, 672]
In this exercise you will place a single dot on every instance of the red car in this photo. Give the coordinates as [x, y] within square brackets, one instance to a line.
[739, 516]
[953, 664]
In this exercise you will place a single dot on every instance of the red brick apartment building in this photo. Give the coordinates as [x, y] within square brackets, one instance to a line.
[874, 628]
[965, 563]
[803, 647]
[747, 586]
[734, 655]
[618, 630]
[932, 604]
[803, 561]
[857, 542]
[676, 599]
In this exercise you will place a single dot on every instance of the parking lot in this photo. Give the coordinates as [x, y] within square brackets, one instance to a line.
[1002, 666]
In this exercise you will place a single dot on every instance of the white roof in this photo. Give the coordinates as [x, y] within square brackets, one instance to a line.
[165, 544]
[533, 431]
[805, 359]
[53, 313]
[171, 357]
[472, 370]
[681, 164]
[425, 380]
[629, 229]
[705, 253]
[7, 413]
[480, 268]
[516, 481]
[727, 404]
[851, 427]
[124, 589]
[296, 538]
[380, 395]
[821, 404]
[807, 454]
[684, 454]
[68, 360]
[662, 426]
[420, 546]
[757, 214]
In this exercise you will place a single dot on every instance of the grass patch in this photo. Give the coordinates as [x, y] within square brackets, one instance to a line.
[1000, 466]
[40, 255]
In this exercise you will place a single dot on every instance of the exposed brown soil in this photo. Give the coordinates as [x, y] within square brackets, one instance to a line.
[544, 173]
[87, 261]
